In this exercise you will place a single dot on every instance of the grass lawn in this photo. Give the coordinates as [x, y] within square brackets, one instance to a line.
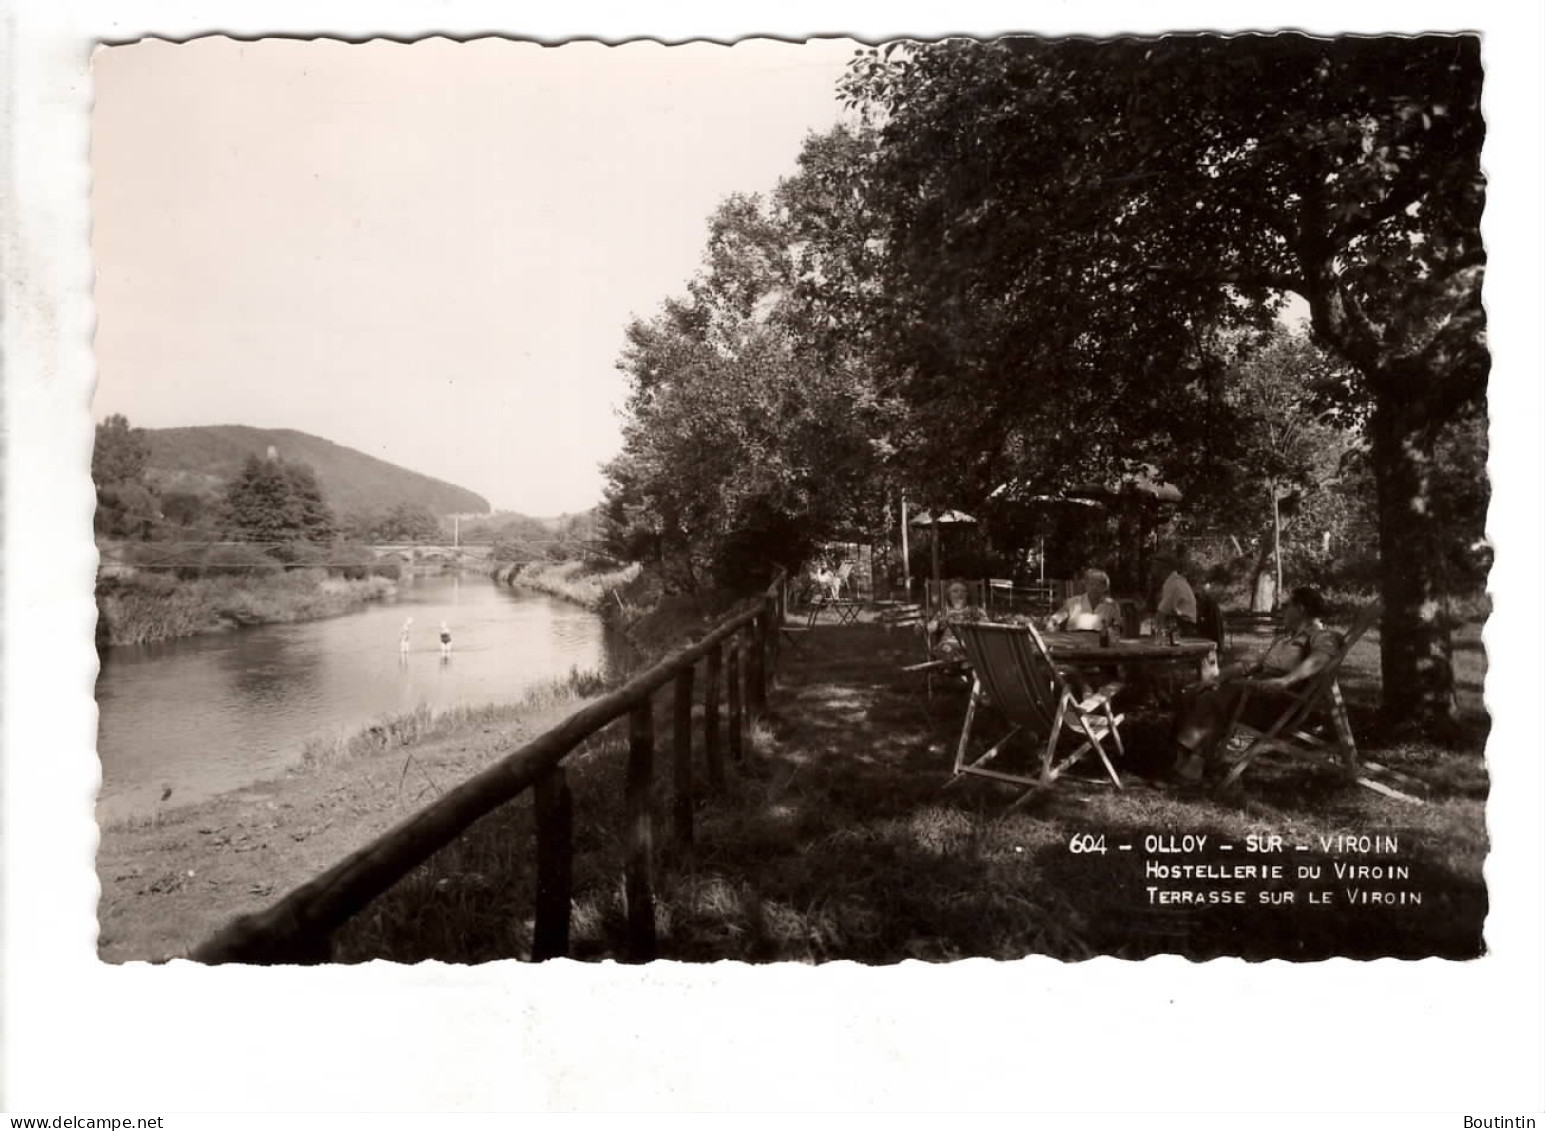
[836, 838]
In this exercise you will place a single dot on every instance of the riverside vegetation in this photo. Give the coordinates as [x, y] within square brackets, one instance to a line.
[583, 583]
[150, 607]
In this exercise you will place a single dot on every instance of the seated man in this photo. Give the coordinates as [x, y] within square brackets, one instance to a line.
[1176, 607]
[1302, 648]
[1089, 611]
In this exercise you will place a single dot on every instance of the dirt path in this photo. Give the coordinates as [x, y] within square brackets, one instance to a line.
[169, 882]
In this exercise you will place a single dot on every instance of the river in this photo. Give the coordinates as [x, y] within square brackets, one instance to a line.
[209, 714]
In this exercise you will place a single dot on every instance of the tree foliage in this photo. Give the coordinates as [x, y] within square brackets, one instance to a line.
[127, 505]
[752, 431]
[1068, 223]
[274, 501]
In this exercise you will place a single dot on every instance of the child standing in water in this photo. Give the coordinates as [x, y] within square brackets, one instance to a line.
[445, 639]
[402, 640]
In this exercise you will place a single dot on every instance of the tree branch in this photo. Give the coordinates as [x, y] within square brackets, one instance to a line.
[1268, 280]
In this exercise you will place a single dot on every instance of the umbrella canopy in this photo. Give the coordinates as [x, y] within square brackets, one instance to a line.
[1144, 484]
[946, 518]
[936, 522]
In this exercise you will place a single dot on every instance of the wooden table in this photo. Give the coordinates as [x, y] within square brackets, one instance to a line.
[1084, 648]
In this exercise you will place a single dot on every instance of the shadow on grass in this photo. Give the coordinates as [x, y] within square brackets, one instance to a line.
[837, 839]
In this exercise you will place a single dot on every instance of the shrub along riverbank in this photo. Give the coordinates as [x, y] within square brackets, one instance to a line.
[632, 599]
[577, 581]
[147, 607]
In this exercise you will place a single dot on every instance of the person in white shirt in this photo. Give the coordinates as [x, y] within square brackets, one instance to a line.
[1089, 611]
[1176, 607]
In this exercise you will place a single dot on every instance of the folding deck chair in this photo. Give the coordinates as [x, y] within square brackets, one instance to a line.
[913, 619]
[1015, 674]
[1291, 733]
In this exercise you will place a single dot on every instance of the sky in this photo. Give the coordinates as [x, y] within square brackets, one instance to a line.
[428, 252]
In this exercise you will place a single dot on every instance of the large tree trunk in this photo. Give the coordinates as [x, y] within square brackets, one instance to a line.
[1415, 645]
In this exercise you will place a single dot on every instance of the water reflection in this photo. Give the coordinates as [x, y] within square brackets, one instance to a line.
[213, 713]
[270, 670]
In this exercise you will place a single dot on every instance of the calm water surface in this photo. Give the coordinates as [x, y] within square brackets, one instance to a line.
[214, 713]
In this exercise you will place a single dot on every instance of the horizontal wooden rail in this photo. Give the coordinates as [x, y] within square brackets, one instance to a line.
[297, 928]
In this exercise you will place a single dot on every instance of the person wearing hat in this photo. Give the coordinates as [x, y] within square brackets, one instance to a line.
[1302, 648]
[1176, 607]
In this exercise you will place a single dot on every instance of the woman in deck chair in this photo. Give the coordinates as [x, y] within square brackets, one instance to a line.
[1303, 647]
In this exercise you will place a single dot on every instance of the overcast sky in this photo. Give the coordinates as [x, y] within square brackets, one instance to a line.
[427, 252]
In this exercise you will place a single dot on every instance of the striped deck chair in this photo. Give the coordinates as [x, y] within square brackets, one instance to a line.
[1015, 674]
[1291, 733]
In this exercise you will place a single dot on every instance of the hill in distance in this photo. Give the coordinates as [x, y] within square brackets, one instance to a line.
[202, 460]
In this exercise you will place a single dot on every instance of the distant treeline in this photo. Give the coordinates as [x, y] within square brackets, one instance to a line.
[278, 512]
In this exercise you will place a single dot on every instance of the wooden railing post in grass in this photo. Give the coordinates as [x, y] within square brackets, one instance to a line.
[756, 669]
[681, 754]
[712, 751]
[767, 635]
[638, 881]
[554, 812]
[732, 677]
[774, 620]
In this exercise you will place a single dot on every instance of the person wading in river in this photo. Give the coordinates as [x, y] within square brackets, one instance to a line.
[445, 639]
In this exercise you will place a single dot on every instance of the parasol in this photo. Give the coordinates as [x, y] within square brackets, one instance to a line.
[945, 518]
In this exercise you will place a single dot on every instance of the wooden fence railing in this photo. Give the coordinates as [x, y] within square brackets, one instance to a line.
[743, 648]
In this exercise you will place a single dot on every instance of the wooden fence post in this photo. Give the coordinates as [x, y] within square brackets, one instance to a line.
[638, 881]
[774, 617]
[554, 811]
[732, 676]
[681, 752]
[712, 751]
[756, 668]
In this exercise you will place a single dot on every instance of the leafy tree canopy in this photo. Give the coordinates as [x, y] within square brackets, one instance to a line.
[271, 500]
[1067, 224]
[127, 505]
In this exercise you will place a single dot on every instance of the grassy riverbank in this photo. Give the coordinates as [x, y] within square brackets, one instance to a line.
[170, 879]
[144, 608]
[576, 581]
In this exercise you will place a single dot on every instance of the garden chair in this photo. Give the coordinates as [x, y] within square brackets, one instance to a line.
[1292, 731]
[839, 580]
[1000, 593]
[912, 618]
[1015, 674]
[1209, 619]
